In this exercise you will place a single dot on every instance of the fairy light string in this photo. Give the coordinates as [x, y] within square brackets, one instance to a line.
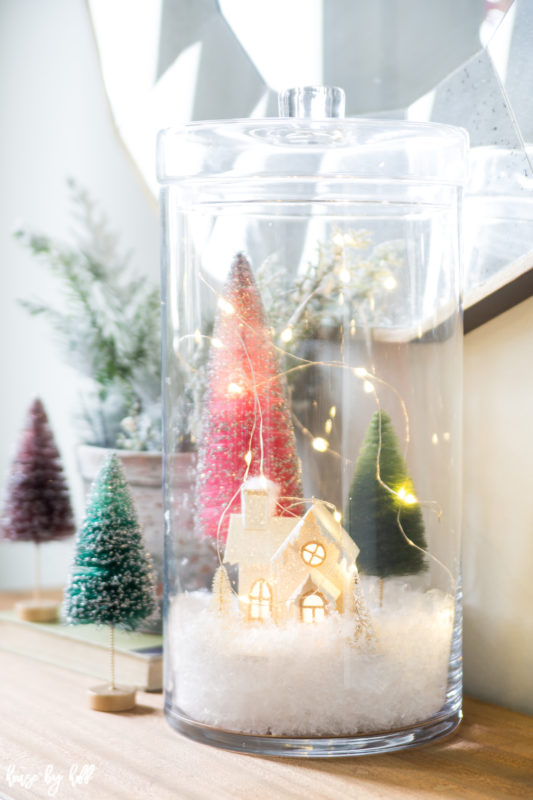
[368, 379]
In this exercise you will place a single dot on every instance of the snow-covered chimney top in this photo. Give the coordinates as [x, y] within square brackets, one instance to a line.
[258, 500]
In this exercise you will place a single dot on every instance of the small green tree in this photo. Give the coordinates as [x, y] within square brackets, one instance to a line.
[373, 514]
[111, 580]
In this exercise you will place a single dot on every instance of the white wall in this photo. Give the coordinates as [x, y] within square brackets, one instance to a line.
[498, 510]
[54, 123]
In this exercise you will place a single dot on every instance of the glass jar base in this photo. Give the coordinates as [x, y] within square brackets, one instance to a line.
[439, 726]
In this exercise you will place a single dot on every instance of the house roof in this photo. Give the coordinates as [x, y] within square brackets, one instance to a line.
[318, 517]
[259, 547]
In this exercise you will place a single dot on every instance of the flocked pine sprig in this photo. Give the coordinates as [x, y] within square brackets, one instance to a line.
[107, 322]
[111, 580]
[348, 264]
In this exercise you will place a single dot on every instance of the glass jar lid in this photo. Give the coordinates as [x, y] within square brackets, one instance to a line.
[312, 139]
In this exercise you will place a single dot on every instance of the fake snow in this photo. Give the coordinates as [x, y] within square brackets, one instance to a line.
[311, 679]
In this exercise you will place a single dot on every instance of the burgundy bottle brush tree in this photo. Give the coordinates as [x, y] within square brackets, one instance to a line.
[37, 504]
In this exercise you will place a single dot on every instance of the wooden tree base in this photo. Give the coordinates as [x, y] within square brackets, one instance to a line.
[37, 610]
[104, 698]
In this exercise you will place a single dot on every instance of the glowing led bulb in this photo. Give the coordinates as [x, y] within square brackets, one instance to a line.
[216, 343]
[333, 411]
[435, 438]
[337, 516]
[226, 307]
[406, 497]
[360, 372]
[341, 299]
[234, 388]
[320, 444]
[197, 336]
[344, 275]
[368, 387]
[390, 283]
[328, 426]
[248, 457]
[286, 335]
[338, 239]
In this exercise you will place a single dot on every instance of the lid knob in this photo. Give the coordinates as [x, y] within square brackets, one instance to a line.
[311, 102]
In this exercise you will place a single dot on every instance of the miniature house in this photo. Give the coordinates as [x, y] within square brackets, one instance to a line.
[290, 567]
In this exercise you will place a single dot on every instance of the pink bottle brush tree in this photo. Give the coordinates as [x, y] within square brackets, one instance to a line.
[246, 426]
[37, 505]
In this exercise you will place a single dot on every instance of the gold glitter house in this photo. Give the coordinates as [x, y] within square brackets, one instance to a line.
[290, 567]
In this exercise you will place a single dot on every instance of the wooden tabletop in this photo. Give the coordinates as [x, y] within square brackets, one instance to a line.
[48, 733]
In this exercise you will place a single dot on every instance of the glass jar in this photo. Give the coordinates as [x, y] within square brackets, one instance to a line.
[312, 392]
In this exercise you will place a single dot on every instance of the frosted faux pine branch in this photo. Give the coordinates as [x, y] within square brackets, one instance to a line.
[107, 324]
[347, 265]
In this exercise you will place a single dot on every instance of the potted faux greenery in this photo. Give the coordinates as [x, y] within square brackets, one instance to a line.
[108, 324]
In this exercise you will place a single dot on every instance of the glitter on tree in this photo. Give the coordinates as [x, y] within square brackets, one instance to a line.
[111, 581]
[37, 507]
[221, 593]
[246, 426]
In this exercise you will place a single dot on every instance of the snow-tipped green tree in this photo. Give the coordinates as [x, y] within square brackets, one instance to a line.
[111, 579]
[375, 516]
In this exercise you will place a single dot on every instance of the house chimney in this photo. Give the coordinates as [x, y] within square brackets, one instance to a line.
[258, 498]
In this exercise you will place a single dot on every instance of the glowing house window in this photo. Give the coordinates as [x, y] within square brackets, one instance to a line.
[260, 600]
[313, 553]
[313, 607]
